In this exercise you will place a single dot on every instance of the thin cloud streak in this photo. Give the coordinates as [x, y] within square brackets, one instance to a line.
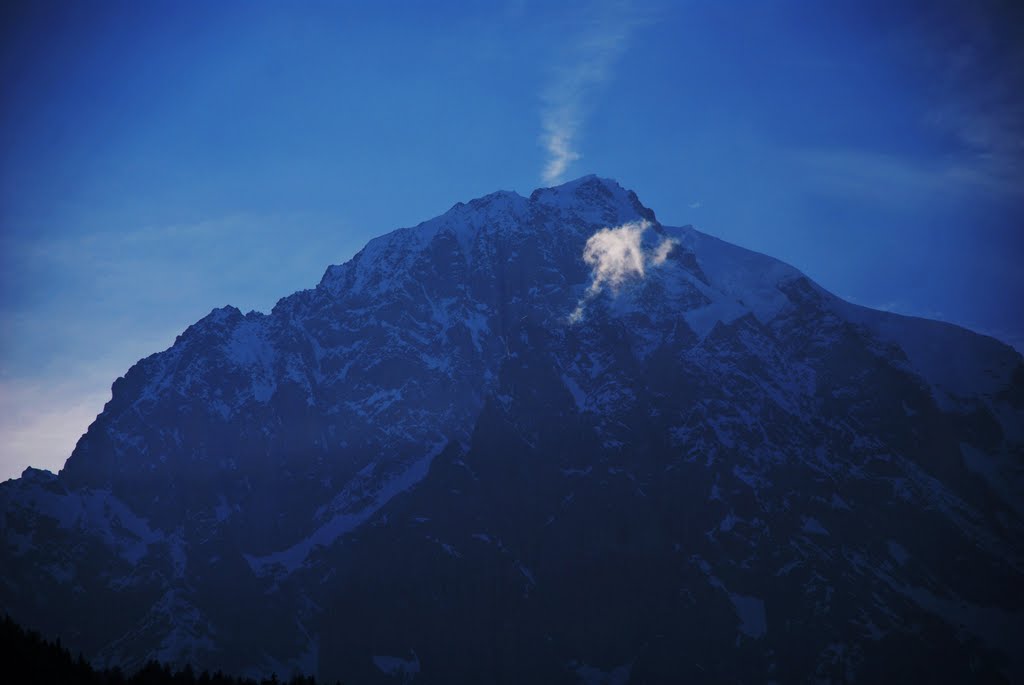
[587, 66]
[895, 179]
[975, 51]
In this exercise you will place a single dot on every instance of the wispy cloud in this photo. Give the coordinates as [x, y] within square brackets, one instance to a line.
[587, 63]
[895, 179]
[975, 57]
[967, 60]
[616, 255]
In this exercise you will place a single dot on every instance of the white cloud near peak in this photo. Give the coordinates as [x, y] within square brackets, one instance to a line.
[616, 255]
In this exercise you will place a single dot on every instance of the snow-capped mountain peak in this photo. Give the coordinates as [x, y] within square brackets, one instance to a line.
[632, 443]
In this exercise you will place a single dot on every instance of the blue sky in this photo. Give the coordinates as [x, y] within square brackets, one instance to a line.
[160, 159]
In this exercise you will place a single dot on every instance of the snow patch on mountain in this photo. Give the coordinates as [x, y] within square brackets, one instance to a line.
[250, 348]
[96, 513]
[404, 668]
[340, 519]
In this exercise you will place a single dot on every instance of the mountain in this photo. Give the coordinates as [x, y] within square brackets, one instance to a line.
[544, 439]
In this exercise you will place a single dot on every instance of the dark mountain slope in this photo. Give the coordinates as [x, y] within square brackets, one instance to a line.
[505, 446]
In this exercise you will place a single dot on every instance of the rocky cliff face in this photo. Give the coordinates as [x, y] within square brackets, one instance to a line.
[510, 445]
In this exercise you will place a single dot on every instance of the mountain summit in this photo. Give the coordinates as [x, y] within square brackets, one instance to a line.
[544, 439]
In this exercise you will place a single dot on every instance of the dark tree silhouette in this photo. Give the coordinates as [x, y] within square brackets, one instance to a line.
[26, 658]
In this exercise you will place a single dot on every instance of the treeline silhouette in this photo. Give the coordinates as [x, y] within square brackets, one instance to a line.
[28, 659]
